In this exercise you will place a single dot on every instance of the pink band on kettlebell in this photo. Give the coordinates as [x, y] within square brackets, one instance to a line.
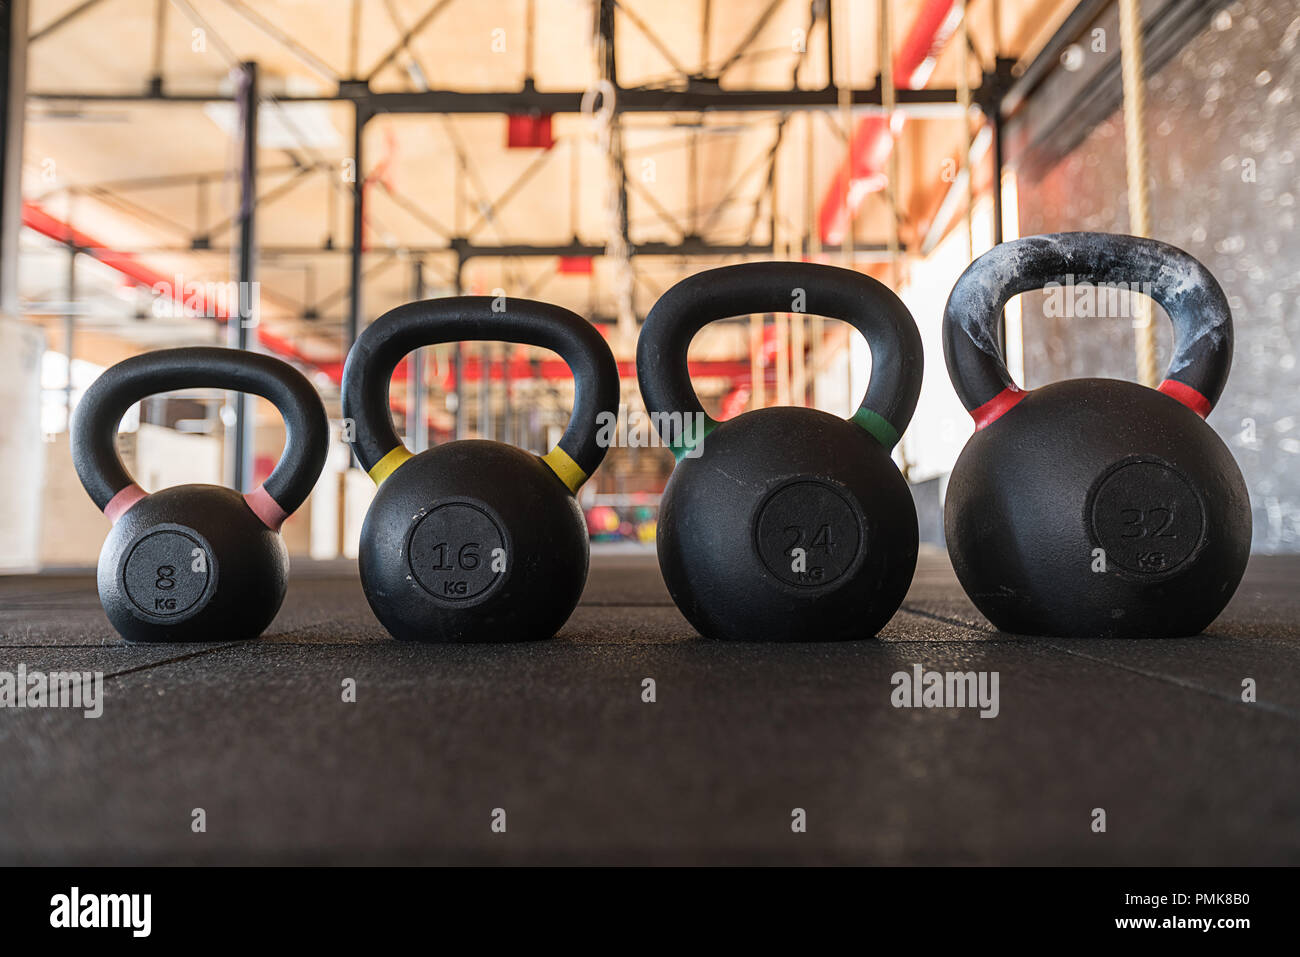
[120, 503]
[996, 407]
[1185, 394]
[266, 508]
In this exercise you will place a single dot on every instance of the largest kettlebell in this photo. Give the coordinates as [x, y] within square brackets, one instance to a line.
[476, 540]
[195, 562]
[1094, 507]
[784, 524]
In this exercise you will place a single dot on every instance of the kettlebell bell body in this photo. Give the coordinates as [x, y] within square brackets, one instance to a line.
[1095, 507]
[784, 524]
[439, 548]
[475, 540]
[195, 562]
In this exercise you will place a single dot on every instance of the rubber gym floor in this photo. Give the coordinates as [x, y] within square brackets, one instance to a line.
[557, 736]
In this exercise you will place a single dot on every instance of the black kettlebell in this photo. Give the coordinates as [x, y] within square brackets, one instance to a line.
[784, 524]
[1094, 507]
[476, 540]
[196, 562]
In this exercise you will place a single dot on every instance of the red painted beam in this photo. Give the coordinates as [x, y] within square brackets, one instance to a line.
[553, 369]
[42, 222]
[863, 170]
[37, 219]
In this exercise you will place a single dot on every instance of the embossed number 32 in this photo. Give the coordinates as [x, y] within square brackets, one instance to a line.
[1140, 522]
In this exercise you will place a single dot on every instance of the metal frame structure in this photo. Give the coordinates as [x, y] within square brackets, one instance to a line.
[695, 93]
[685, 92]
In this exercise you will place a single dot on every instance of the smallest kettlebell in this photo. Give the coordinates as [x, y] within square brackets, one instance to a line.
[195, 562]
[475, 540]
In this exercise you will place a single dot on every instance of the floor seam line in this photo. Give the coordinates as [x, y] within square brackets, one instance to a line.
[933, 616]
[1177, 682]
[168, 661]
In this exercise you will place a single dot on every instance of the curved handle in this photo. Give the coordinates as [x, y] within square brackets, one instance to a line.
[869, 306]
[1181, 284]
[94, 424]
[389, 338]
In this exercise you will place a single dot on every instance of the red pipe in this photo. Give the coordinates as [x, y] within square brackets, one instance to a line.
[36, 218]
[863, 170]
[42, 222]
[557, 369]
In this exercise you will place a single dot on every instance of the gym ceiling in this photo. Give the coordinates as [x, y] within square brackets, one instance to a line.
[133, 141]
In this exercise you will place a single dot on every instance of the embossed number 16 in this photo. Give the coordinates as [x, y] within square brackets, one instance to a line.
[467, 557]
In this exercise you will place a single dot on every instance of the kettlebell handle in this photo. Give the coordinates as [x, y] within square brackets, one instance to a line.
[387, 340]
[95, 422]
[867, 305]
[1181, 284]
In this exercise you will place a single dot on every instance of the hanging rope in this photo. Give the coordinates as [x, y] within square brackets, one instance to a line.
[1135, 155]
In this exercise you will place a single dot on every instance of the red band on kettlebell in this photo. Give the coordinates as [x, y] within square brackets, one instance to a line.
[266, 508]
[996, 407]
[1185, 394]
[120, 503]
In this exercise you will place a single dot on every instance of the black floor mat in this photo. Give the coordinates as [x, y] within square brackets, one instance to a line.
[556, 735]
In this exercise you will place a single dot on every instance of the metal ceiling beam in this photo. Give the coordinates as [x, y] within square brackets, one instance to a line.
[699, 96]
[653, 38]
[164, 181]
[303, 55]
[465, 250]
[63, 20]
[262, 201]
[490, 211]
[743, 47]
[404, 41]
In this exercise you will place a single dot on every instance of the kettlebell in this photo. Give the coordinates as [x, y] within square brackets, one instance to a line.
[195, 562]
[476, 540]
[1094, 507]
[784, 524]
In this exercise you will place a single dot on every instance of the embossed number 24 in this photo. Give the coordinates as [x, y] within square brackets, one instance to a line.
[822, 541]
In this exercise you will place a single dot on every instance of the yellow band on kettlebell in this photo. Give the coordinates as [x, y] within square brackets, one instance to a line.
[567, 470]
[389, 464]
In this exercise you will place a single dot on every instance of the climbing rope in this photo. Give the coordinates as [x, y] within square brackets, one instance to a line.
[1135, 155]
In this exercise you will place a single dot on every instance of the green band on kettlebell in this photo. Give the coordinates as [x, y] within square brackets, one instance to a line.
[683, 448]
[877, 425]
